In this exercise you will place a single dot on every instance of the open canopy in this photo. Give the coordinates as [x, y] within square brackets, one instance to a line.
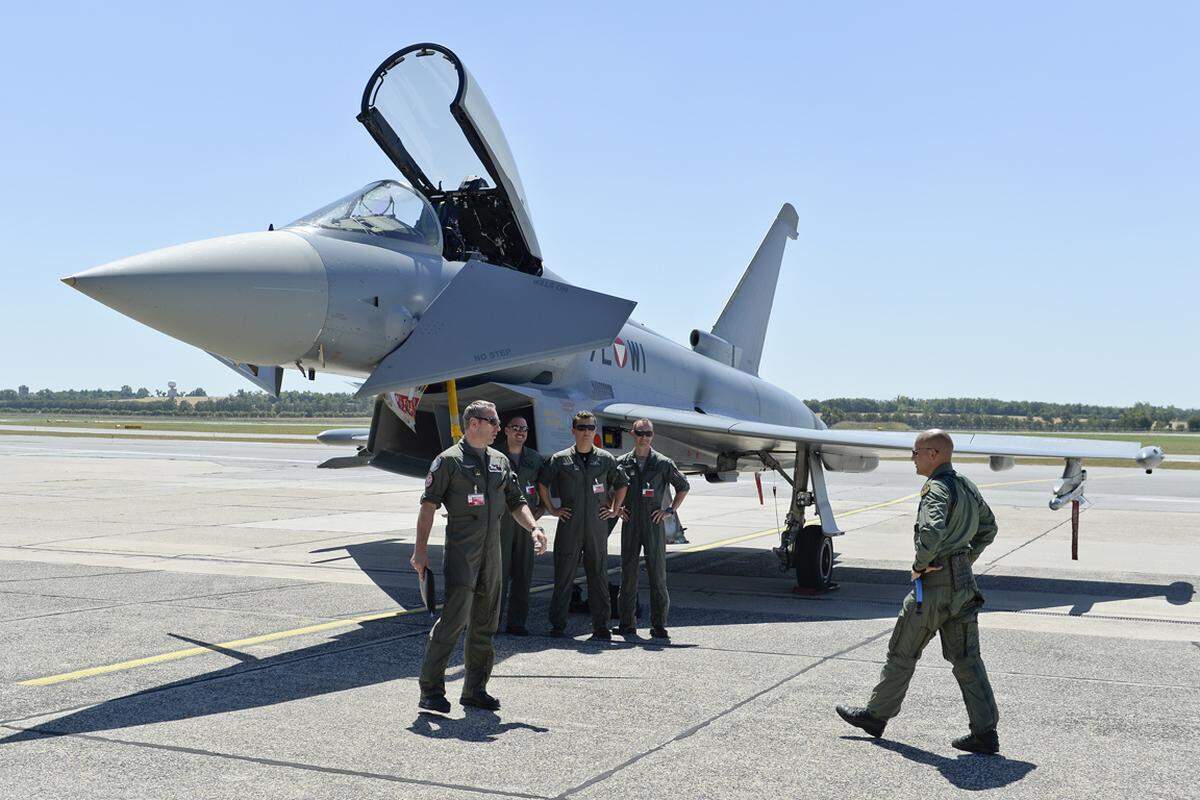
[429, 116]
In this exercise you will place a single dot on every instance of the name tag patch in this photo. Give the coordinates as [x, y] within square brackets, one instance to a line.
[475, 499]
[495, 467]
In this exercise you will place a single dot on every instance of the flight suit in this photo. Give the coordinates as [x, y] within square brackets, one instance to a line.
[953, 526]
[647, 489]
[476, 496]
[585, 490]
[516, 545]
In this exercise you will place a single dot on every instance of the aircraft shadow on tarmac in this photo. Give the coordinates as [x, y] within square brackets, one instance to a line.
[968, 771]
[372, 653]
[1021, 592]
[385, 562]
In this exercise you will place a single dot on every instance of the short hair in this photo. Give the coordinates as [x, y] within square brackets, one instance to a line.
[514, 418]
[937, 439]
[478, 410]
[580, 416]
[637, 422]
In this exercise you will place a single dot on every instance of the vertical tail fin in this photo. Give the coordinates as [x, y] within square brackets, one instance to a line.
[743, 323]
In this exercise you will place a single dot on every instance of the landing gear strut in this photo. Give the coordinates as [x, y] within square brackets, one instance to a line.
[806, 548]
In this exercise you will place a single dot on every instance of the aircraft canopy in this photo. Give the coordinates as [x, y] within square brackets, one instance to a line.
[429, 116]
[383, 208]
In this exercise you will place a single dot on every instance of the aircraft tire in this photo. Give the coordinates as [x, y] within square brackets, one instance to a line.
[814, 558]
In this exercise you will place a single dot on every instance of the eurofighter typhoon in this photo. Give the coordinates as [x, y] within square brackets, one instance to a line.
[397, 284]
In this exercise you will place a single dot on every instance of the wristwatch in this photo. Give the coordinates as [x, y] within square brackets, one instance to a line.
[668, 510]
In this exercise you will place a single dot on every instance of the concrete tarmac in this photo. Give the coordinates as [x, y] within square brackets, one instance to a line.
[210, 619]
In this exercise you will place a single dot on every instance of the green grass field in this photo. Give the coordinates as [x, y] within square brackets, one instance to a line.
[1177, 443]
[298, 427]
[1172, 443]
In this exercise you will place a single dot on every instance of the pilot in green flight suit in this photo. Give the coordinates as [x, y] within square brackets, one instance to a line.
[649, 472]
[516, 548]
[591, 488]
[477, 487]
[953, 526]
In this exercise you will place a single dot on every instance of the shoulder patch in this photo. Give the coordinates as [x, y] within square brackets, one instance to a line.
[437, 462]
[925, 489]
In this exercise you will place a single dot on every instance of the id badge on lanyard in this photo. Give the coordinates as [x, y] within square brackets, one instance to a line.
[647, 491]
[476, 498]
[529, 490]
[598, 487]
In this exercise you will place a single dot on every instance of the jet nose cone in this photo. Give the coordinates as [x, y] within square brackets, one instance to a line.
[258, 298]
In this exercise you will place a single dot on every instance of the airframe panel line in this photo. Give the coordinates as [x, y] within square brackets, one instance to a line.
[176, 655]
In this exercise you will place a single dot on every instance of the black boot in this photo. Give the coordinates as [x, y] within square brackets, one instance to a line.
[436, 702]
[987, 743]
[479, 699]
[861, 718]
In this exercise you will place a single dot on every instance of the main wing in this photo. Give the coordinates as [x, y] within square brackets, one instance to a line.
[855, 450]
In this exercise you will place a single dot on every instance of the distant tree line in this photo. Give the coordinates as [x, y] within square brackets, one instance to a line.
[972, 413]
[142, 402]
[982, 413]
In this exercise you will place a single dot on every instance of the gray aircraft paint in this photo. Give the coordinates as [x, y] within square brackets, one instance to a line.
[341, 294]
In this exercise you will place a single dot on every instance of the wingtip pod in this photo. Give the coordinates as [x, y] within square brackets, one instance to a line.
[1150, 457]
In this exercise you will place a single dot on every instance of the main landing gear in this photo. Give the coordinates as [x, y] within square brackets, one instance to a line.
[806, 548]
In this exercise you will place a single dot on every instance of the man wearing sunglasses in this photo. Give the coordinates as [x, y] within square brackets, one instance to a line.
[953, 526]
[649, 473]
[516, 548]
[477, 487]
[591, 488]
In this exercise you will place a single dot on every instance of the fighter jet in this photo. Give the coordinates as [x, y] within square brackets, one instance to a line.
[401, 284]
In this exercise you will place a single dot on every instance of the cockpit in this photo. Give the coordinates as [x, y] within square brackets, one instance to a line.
[384, 208]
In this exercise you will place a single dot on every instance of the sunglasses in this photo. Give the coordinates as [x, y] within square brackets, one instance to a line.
[585, 427]
[515, 429]
[643, 433]
[916, 450]
[493, 421]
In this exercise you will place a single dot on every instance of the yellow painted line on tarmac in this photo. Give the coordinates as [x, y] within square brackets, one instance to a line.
[175, 655]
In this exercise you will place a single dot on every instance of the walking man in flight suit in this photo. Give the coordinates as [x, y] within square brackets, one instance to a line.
[591, 488]
[648, 472]
[953, 526]
[516, 547]
[478, 487]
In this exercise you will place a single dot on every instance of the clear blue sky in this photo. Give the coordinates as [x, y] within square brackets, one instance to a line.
[995, 200]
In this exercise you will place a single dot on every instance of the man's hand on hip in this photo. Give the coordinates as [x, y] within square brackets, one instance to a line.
[927, 570]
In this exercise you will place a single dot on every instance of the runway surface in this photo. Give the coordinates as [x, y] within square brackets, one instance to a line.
[218, 619]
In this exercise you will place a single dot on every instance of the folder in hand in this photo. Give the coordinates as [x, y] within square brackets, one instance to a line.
[428, 587]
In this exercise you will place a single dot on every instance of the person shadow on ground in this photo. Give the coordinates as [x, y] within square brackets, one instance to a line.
[969, 771]
[477, 725]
